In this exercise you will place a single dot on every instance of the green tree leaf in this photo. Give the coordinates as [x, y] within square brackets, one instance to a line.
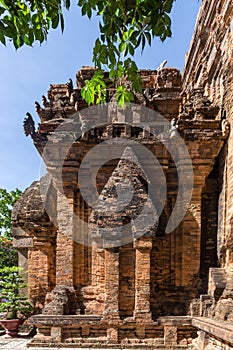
[124, 26]
[8, 256]
[123, 96]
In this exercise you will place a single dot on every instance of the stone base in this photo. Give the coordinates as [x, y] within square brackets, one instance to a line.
[113, 346]
[94, 331]
[143, 317]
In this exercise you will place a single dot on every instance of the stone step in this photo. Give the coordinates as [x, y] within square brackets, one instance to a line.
[88, 346]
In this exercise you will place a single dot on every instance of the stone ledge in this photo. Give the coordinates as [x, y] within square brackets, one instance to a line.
[200, 124]
[88, 346]
[175, 320]
[58, 320]
[68, 320]
[219, 329]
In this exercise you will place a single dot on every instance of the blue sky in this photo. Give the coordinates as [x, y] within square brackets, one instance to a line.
[25, 76]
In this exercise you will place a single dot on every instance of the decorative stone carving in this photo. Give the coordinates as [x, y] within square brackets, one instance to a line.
[56, 302]
[197, 106]
[29, 125]
[225, 126]
[173, 129]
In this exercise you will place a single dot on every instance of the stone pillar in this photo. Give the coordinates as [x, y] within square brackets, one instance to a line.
[143, 248]
[111, 312]
[65, 242]
[39, 279]
[191, 236]
[191, 239]
[111, 283]
[22, 242]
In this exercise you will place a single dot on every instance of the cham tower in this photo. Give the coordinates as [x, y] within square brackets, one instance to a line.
[146, 286]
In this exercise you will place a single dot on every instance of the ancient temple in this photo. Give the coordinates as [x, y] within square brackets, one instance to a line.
[109, 257]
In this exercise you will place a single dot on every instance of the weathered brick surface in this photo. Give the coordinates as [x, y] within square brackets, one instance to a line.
[209, 67]
[153, 276]
[90, 293]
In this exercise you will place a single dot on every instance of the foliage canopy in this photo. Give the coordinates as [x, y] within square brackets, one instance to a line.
[13, 302]
[8, 256]
[124, 25]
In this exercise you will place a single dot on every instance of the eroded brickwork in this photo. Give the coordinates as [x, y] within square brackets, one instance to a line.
[140, 289]
[209, 67]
